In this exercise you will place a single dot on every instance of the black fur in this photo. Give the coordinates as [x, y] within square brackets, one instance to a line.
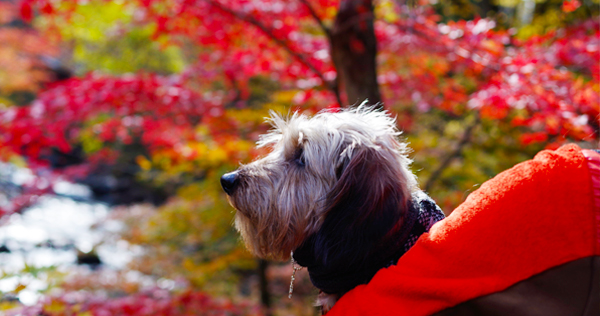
[366, 223]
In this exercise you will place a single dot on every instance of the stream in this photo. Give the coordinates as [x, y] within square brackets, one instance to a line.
[51, 233]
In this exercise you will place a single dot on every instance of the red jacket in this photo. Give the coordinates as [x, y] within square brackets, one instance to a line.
[513, 247]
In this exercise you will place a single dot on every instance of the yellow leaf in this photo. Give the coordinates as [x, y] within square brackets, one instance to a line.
[143, 162]
[6, 305]
[55, 307]
[20, 288]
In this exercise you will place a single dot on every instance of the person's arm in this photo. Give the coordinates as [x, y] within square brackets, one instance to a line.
[528, 219]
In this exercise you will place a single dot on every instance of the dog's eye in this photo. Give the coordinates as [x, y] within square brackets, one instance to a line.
[299, 157]
[300, 161]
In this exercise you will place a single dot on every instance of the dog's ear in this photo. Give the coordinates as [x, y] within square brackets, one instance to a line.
[365, 210]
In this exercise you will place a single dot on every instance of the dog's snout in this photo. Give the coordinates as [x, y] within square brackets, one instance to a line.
[229, 181]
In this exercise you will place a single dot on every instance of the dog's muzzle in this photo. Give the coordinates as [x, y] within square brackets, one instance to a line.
[229, 182]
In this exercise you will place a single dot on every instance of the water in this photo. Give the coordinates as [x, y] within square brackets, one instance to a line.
[51, 233]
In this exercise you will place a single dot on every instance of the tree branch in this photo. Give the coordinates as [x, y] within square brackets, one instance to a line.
[281, 42]
[464, 140]
[313, 13]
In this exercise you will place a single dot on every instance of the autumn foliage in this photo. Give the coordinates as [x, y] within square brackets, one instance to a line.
[181, 129]
[20, 68]
[155, 303]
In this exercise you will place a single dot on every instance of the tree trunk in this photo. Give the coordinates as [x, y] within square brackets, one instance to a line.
[265, 295]
[487, 8]
[353, 51]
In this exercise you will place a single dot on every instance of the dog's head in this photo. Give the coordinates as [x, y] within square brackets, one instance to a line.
[346, 166]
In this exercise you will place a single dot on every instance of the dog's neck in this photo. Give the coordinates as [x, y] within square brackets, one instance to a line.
[340, 278]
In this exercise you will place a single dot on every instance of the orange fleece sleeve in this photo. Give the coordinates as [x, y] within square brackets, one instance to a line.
[527, 219]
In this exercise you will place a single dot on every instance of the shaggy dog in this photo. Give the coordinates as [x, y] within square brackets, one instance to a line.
[335, 191]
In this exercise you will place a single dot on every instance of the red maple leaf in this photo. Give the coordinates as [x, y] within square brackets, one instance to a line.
[570, 5]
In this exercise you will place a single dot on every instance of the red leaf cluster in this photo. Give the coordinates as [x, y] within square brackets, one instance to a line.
[437, 59]
[570, 5]
[547, 83]
[155, 303]
[534, 78]
[158, 111]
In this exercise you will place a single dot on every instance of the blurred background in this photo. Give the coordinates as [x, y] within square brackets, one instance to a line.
[117, 119]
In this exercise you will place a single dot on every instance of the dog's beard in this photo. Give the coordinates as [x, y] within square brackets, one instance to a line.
[274, 215]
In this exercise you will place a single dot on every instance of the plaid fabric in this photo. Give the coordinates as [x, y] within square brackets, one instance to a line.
[429, 214]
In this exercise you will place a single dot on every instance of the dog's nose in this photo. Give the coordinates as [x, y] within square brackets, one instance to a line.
[229, 181]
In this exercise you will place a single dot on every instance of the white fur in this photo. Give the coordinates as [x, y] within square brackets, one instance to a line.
[281, 197]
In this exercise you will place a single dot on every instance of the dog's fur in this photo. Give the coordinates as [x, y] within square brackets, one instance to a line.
[341, 178]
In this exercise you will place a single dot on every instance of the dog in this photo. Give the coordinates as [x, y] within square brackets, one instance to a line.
[335, 193]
